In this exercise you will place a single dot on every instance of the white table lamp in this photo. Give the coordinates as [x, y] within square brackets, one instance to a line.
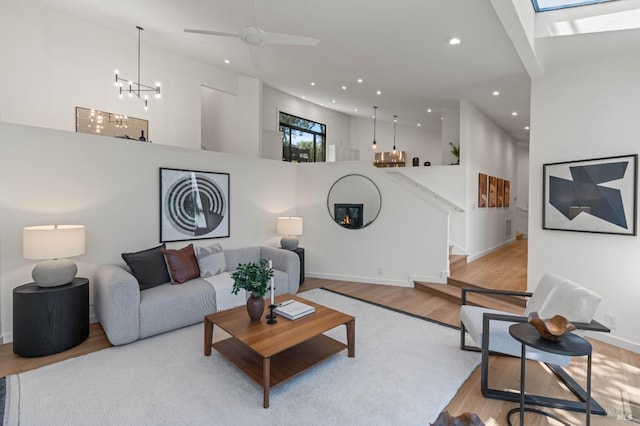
[53, 244]
[290, 228]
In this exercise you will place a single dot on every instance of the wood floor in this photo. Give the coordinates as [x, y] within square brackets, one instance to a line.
[615, 376]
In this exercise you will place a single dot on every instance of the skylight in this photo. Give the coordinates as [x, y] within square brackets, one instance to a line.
[545, 5]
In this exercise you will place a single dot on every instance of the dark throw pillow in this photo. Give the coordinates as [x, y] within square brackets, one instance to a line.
[182, 264]
[148, 266]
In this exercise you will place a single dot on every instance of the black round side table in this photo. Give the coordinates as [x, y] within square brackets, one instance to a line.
[48, 320]
[569, 345]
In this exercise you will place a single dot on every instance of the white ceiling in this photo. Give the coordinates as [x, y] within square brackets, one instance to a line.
[399, 47]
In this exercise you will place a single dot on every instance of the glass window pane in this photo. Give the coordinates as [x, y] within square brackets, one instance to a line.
[303, 140]
[543, 5]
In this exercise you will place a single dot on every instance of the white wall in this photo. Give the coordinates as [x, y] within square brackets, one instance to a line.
[275, 101]
[408, 240]
[232, 122]
[486, 148]
[588, 110]
[415, 141]
[53, 62]
[521, 196]
[112, 187]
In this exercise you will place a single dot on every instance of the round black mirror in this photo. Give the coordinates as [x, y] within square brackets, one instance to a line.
[354, 201]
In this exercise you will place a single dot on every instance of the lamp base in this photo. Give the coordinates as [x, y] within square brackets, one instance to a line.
[289, 242]
[54, 273]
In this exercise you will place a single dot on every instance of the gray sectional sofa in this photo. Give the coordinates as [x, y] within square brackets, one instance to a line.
[128, 313]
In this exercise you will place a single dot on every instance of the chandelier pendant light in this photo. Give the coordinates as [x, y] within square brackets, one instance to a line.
[375, 110]
[395, 122]
[135, 88]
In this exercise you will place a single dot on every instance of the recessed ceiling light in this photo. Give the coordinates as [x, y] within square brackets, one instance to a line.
[304, 97]
[344, 87]
[378, 92]
[355, 110]
[333, 101]
[453, 41]
[514, 113]
[428, 109]
[496, 93]
[441, 118]
[313, 83]
[226, 61]
[526, 127]
[360, 80]
[419, 125]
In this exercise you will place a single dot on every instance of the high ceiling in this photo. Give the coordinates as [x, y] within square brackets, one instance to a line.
[398, 47]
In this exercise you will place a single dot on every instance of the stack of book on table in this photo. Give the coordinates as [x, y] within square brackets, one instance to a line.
[292, 309]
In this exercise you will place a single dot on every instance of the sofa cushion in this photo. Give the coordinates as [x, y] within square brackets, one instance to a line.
[211, 260]
[148, 266]
[182, 264]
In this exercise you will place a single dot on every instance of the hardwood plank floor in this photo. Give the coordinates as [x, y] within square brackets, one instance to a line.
[615, 376]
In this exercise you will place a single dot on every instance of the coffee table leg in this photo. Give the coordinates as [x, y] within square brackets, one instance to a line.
[351, 338]
[266, 374]
[208, 337]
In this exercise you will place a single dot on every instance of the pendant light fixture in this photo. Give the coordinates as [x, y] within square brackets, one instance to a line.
[135, 87]
[395, 122]
[375, 110]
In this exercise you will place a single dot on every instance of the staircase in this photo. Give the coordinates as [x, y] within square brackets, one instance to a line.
[452, 291]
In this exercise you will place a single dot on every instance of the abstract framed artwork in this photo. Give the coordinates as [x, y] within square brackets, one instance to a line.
[500, 193]
[193, 205]
[482, 190]
[597, 195]
[493, 188]
[507, 193]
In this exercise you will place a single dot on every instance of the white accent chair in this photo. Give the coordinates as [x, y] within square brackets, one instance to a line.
[489, 330]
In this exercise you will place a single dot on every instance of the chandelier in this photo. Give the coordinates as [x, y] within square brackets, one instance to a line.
[135, 88]
[375, 110]
[395, 121]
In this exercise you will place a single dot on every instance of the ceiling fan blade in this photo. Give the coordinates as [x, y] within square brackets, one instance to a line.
[275, 38]
[251, 14]
[216, 33]
[255, 56]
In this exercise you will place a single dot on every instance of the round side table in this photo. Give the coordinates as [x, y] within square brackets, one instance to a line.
[48, 320]
[569, 345]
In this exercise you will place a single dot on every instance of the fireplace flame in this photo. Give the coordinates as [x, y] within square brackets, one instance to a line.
[346, 220]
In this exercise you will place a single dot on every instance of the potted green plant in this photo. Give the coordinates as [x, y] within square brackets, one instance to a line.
[455, 150]
[254, 278]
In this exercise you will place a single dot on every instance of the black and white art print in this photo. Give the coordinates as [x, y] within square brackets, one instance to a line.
[596, 195]
[193, 205]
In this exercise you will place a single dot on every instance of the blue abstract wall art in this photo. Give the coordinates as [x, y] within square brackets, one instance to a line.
[591, 195]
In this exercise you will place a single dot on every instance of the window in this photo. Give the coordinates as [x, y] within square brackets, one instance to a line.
[303, 140]
[544, 5]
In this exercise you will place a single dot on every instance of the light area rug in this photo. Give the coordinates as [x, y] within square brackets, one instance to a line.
[405, 372]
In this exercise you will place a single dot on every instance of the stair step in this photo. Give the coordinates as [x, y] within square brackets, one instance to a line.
[457, 261]
[453, 293]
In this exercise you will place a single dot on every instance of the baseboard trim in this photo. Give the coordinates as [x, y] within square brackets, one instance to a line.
[486, 252]
[616, 341]
[429, 279]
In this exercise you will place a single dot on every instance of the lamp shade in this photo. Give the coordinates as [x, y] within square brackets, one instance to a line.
[52, 241]
[289, 226]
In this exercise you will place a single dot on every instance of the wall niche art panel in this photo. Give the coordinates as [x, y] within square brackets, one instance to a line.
[483, 184]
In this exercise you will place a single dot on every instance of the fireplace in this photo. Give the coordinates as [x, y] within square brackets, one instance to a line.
[348, 215]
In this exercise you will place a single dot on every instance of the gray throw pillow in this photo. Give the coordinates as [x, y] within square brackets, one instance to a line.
[211, 260]
[148, 266]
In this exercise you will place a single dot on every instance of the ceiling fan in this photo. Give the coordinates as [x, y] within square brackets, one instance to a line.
[255, 37]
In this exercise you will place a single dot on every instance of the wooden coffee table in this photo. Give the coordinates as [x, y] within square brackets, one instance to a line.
[273, 353]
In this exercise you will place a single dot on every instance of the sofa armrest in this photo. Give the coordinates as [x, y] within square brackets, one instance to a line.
[286, 261]
[117, 303]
